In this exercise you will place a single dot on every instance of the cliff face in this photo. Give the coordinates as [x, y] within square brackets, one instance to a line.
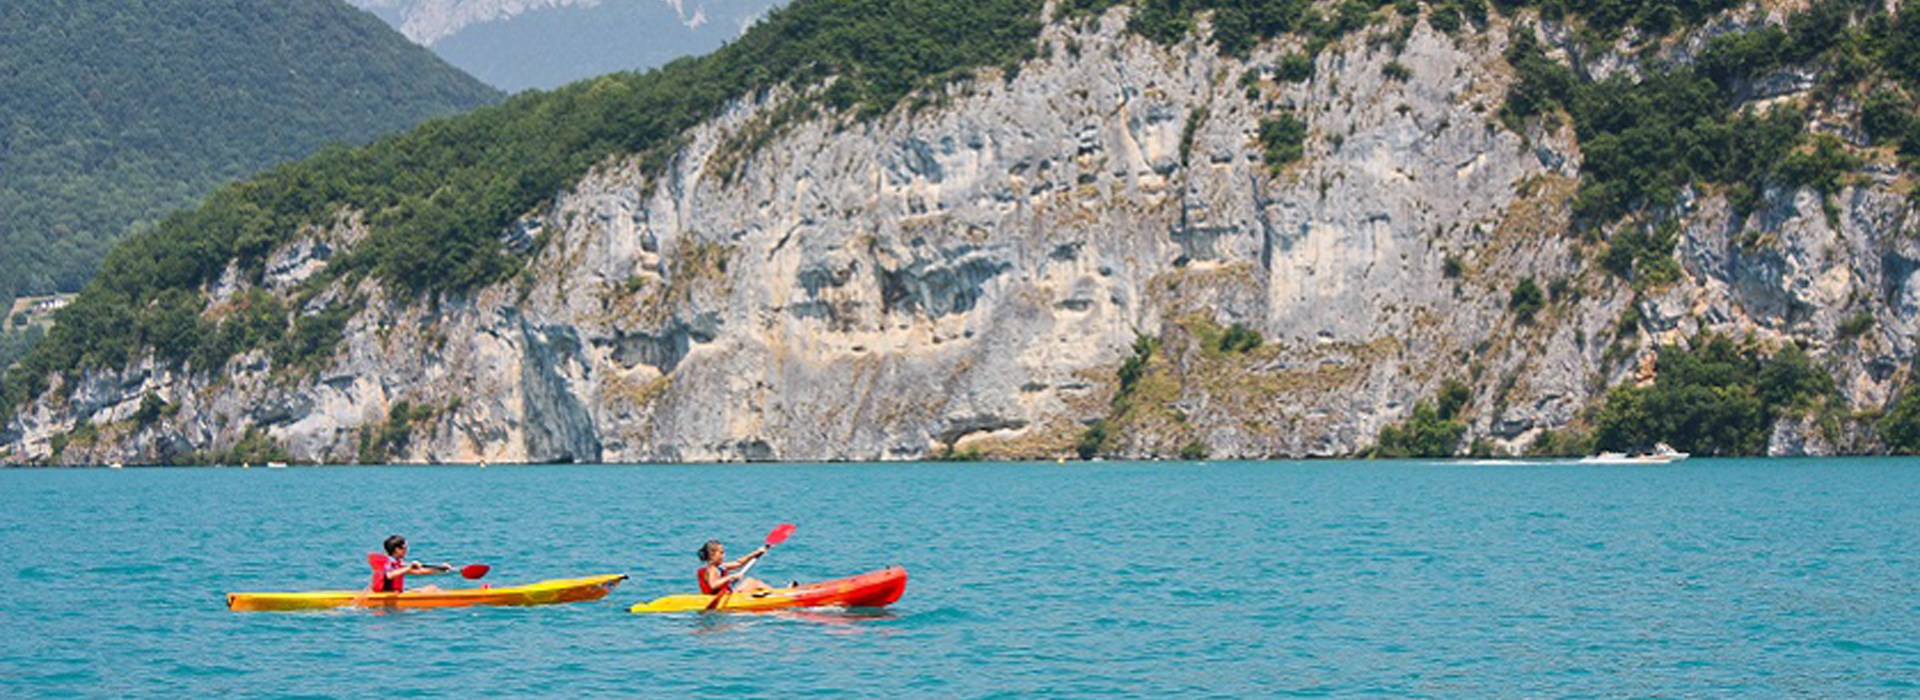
[972, 274]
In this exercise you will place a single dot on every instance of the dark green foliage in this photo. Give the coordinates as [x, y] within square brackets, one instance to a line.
[948, 454]
[1542, 84]
[1453, 396]
[1526, 300]
[1294, 68]
[1605, 19]
[151, 409]
[1238, 25]
[1195, 118]
[1789, 380]
[1134, 367]
[254, 447]
[438, 198]
[1560, 289]
[116, 112]
[1900, 427]
[1240, 338]
[1445, 18]
[1900, 50]
[1433, 430]
[1821, 166]
[1560, 443]
[1731, 58]
[1452, 267]
[1396, 72]
[1888, 118]
[1424, 434]
[84, 434]
[20, 320]
[1282, 140]
[1855, 325]
[1715, 399]
[1629, 322]
[1092, 441]
[1643, 142]
[257, 320]
[1193, 451]
[377, 444]
[1642, 256]
[310, 345]
[15, 344]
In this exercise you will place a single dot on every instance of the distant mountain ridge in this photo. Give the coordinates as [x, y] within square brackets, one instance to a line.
[113, 113]
[520, 44]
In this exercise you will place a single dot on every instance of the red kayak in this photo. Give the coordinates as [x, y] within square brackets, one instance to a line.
[869, 590]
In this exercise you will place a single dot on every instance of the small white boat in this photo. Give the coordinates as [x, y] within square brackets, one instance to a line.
[276, 465]
[1662, 454]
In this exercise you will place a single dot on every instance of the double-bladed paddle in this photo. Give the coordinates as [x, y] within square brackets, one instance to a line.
[779, 534]
[470, 571]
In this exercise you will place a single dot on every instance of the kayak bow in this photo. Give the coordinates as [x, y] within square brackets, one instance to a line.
[566, 590]
[869, 590]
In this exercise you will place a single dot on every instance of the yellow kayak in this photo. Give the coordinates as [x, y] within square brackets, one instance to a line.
[565, 590]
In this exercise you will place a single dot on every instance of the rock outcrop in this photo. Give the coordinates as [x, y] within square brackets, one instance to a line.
[971, 275]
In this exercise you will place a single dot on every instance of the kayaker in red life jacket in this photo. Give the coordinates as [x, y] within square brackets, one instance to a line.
[714, 577]
[390, 571]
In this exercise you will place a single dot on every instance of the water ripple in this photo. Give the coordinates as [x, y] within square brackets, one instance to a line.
[1401, 580]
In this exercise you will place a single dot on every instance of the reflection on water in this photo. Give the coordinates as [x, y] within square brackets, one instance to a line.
[848, 619]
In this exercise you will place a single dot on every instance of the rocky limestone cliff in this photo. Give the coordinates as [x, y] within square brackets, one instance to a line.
[970, 276]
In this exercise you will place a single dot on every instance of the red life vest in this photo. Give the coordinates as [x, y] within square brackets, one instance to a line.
[707, 587]
[381, 563]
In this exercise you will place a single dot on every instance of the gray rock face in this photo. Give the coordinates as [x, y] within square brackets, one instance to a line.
[971, 276]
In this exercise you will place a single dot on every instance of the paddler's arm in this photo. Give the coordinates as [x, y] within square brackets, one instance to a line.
[742, 561]
[419, 569]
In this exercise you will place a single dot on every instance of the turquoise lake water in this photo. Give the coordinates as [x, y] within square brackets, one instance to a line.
[1712, 578]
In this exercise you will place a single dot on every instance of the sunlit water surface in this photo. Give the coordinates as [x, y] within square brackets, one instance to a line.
[1712, 578]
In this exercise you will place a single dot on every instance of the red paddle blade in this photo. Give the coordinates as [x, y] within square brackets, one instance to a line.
[780, 533]
[475, 570]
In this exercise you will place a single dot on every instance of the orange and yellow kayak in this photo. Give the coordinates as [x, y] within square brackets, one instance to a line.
[566, 590]
[869, 590]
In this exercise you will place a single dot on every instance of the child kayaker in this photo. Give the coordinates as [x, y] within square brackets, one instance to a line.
[714, 578]
[390, 571]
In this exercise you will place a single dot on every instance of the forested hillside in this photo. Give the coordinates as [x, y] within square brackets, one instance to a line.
[112, 113]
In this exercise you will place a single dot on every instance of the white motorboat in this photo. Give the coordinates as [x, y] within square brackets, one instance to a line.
[1662, 454]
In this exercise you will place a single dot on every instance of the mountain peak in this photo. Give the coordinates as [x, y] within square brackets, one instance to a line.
[520, 44]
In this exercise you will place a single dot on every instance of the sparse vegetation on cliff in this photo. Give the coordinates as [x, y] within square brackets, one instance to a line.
[1646, 139]
[1526, 300]
[254, 447]
[1282, 140]
[1899, 428]
[438, 198]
